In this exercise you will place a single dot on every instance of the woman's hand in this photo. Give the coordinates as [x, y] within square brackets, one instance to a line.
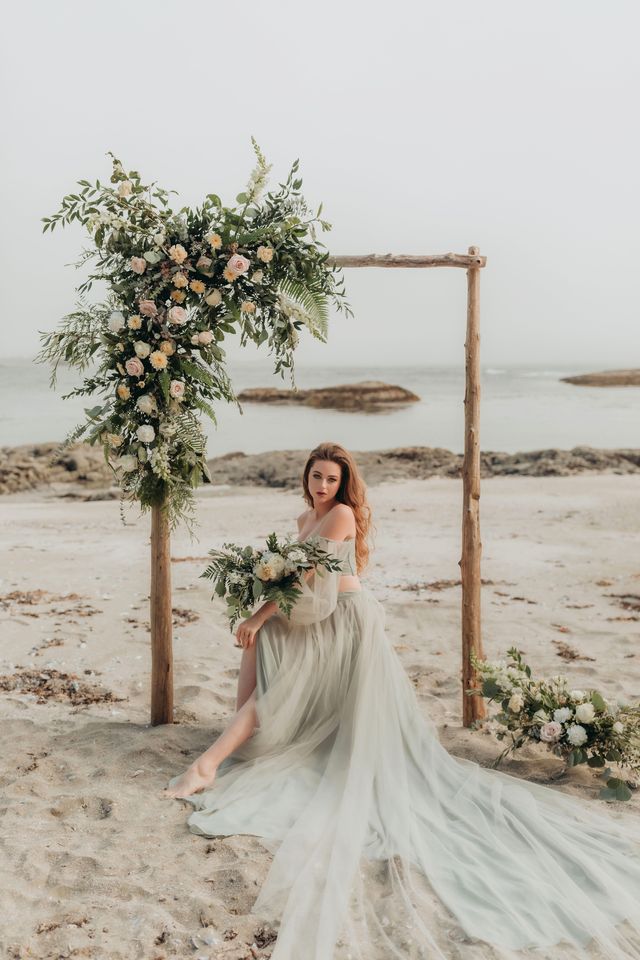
[246, 632]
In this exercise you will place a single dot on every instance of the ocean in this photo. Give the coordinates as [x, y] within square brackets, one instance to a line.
[522, 408]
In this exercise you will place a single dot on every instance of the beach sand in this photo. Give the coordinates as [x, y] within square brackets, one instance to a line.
[99, 864]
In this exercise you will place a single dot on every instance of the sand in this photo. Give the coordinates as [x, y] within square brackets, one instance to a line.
[99, 864]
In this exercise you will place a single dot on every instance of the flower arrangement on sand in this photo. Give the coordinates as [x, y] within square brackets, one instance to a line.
[580, 726]
[178, 284]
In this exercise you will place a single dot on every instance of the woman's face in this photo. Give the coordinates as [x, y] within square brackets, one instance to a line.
[324, 481]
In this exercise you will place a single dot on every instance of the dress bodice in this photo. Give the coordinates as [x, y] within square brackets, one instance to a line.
[344, 549]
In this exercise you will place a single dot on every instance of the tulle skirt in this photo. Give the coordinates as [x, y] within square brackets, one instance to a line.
[386, 846]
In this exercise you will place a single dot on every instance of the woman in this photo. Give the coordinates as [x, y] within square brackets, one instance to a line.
[385, 845]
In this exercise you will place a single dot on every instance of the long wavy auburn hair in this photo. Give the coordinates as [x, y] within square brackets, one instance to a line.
[352, 491]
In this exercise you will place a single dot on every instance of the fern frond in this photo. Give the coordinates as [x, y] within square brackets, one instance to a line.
[311, 305]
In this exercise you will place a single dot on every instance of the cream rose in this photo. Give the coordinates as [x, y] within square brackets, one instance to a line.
[265, 254]
[138, 264]
[145, 433]
[257, 276]
[585, 713]
[205, 336]
[177, 315]
[116, 321]
[125, 189]
[168, 347]
[176, 389]
[142, 349]
[178, 253]
[247, 306]
[516, 702]
[147, 404]
[134, 367]
[127, 463]
[179, 280]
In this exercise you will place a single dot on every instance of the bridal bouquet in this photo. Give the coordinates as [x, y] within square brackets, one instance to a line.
[178, 282]
[578, 725]
[244, 575]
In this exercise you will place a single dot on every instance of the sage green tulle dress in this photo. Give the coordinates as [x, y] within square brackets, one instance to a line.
[386, 846]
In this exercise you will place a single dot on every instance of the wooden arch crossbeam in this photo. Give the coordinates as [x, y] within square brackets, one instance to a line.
[472, 706]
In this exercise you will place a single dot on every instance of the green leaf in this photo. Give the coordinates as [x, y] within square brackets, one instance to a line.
[615, 790]
[596, 761]
[257, 588]
[242, 198]
[220, 588]
[598, 702]
[165, 383]
[153, 256]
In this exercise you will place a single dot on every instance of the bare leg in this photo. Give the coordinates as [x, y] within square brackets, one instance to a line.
[201, 774]
[247, 675]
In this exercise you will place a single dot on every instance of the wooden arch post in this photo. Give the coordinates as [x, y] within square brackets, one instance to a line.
[472, 706]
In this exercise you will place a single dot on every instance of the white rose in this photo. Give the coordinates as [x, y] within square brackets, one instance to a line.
[159, 239]
[142, 349]
[147, 404]
[516, 702]
[585, 713]
[577, 694]
[116, 321]
[205, 336]
[214, 298]
[576, 735]
[127, 463]
[146, 433]
[257, 276]
[562, 714]
[125, 189]
[195, 340]
[618, 727]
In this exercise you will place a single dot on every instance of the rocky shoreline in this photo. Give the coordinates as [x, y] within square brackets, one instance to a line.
[82, 467]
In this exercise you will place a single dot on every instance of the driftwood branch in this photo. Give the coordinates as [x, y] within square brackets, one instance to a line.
[464, 260]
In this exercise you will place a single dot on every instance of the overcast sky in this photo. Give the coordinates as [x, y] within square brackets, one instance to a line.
[424, 127]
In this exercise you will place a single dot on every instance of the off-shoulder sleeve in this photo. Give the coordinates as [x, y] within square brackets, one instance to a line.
[320, 593]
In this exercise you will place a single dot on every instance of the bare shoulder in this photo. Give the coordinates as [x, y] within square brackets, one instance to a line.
[340, 523]
[301, 519]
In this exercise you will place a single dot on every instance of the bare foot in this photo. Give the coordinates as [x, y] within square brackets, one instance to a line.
[193, 780]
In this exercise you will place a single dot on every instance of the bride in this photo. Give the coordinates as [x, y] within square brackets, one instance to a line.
[384, 845]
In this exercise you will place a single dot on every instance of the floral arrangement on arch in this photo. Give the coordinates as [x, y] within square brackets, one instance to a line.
[178, 284]
[579, 725]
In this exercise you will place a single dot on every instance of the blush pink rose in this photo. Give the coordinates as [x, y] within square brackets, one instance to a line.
[550, 732]
[177, 315]
[147, 308]
[176, 389]
[138, 264]
[134, 367]
[238, 263]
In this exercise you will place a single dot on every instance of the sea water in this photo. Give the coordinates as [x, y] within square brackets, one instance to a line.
[522, 408]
